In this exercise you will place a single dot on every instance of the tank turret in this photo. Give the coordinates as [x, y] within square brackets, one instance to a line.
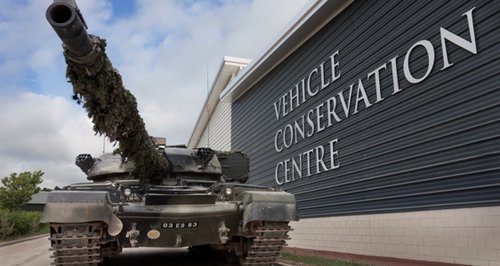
[98, 86]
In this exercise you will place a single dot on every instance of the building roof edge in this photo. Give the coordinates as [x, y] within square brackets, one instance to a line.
[230, 65]
[306, 23]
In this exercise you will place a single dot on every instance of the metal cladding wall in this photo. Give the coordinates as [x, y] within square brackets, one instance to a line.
[430, 143]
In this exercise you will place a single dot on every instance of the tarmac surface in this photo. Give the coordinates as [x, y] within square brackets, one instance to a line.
[35, 252]
[29, 253]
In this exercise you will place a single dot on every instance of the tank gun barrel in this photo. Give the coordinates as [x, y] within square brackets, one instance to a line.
[98, 85]
[67, 21]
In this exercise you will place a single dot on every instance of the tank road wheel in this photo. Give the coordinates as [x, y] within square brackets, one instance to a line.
[266, 245]
[77, 244]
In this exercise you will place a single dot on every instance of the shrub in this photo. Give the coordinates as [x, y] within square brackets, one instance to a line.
[6, 227]
[18, 222]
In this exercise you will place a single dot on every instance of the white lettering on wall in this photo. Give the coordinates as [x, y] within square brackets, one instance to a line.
[331, 113]
[300, 165]
[346, 106]
[376, 74]
[463, 43]
[430, 61]
[335, 65]
[337, 108]
[312, 91]
[324, 83]
[361, 95]
[303, 90]
[395, 79]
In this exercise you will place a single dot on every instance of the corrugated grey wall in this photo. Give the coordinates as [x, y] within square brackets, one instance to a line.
[435, 144]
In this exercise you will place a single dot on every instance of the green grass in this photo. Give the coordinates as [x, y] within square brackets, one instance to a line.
[315, 260]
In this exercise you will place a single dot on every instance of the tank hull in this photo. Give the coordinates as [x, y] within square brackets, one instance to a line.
[246, 222]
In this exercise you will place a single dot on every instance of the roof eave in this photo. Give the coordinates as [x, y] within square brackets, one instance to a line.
[229, 66]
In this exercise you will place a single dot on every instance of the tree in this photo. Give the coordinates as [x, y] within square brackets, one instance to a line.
[18, 188]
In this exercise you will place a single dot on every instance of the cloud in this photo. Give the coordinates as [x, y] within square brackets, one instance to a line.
[162, 49]
[41, 132]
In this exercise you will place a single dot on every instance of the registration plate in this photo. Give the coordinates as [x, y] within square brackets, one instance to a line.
[179, 225]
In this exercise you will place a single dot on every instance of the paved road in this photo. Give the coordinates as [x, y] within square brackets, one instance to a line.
[29, 253]
[36, 252]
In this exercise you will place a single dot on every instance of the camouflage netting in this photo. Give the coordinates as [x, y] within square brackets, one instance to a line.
[113, 110]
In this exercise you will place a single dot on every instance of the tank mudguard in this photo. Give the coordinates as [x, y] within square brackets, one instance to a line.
[268, 206]
[81, 207]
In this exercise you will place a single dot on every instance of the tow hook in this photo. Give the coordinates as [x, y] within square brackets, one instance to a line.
[178, 240]
[223, 232]
[132, 235]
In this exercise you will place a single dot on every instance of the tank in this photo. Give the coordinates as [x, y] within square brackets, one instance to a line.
[146, 193]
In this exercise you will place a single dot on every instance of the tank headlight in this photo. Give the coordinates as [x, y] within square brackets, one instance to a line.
[127, 192]
[228, 191]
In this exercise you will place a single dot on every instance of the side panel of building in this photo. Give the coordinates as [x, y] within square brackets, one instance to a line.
[375, 114]
[217, 134]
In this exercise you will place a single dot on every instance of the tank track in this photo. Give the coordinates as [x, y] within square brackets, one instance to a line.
[76, 244]
[265, 249]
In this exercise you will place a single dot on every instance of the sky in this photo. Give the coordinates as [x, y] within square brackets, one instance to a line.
[162, 50]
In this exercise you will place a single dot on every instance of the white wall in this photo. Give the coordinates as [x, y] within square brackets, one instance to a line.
[217, 134]
[464, 236]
